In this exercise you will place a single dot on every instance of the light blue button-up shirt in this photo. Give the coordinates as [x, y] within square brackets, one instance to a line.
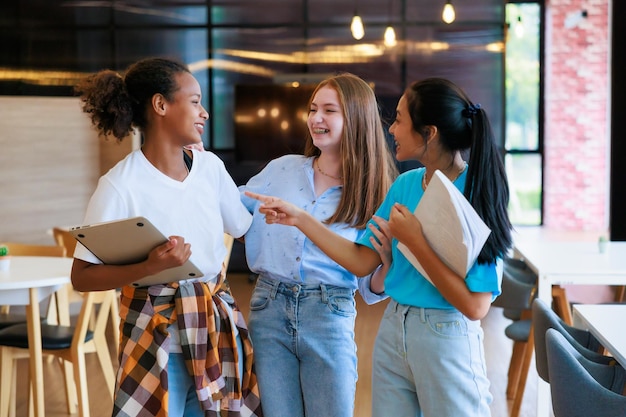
[284, 253]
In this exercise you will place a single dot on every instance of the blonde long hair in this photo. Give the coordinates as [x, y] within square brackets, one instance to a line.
[368, 166]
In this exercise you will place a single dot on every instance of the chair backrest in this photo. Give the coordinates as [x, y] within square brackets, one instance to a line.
[518, 286]
[22, 249]
[580, 387]
[520, 270]
[91, 299]
[64, 238]
[583, 341]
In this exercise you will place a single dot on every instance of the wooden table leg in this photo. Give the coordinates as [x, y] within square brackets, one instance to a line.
[34, 350]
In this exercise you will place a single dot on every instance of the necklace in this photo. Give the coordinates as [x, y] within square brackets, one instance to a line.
[317, 161]
[424, 184]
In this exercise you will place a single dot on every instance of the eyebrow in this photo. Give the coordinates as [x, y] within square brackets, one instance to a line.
[325, 104]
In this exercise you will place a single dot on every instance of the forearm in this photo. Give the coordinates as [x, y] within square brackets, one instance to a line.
[359, 260]
[451, 286]
[100, 277]
[377, 282]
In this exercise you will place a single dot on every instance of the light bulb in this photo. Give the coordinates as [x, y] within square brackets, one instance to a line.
[448, 14]
[390, 37]
[358, 31]
[519, 27]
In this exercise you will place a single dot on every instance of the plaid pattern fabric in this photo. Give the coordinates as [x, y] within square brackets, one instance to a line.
[208, 344]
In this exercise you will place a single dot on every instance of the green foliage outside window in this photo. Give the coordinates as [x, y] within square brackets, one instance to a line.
[523, 161]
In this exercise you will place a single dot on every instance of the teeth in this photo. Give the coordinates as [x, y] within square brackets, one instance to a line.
[320, 130]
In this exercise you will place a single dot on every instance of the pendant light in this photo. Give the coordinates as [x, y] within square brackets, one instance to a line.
[448, 14]
[390, 37]
[356, 27]
[390, 33]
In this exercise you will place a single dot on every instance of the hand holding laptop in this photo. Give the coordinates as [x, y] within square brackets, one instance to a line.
[134, 240]
[173, 253]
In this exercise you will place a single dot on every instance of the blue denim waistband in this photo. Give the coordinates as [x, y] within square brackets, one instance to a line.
[420, 311]
[298, 290]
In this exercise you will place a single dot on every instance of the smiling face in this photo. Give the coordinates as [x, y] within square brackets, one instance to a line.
[187, 118]
[326, 120]
[410, 145]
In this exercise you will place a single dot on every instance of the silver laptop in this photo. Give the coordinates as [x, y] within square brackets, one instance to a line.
[128, 241]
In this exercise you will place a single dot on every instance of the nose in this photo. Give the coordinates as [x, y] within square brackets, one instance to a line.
[315, 116]
[204, 114]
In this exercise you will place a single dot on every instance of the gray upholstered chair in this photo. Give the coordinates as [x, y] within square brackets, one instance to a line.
[581, 387]
[518, 291]
[583, 341]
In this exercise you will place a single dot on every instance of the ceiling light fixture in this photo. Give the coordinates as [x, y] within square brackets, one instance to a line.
[356, 27]
[390, 37]
[390, 33]
[448, 14]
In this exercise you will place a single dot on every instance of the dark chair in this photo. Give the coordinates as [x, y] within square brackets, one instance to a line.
[581, 387]
[9, 319]
[519, 289]
[69, 344]
[583, 341]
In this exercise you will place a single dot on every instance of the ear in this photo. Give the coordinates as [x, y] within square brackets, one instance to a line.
[159, 104]
[430, 132]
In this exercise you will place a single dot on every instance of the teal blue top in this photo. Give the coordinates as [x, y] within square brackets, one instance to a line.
[404, 283]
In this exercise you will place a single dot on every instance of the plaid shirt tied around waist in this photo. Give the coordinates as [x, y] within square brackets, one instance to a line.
[208, 345]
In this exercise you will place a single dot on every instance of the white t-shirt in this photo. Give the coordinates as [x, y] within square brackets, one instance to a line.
[200, 208]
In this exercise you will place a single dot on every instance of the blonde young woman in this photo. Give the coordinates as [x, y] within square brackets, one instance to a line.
[302, 309]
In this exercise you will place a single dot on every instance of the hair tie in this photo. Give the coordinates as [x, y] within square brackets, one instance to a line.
[471, 110]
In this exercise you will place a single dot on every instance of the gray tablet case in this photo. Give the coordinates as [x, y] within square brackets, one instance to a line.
[129, 241]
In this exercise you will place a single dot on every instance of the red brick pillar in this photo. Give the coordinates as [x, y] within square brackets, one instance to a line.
[576, 115]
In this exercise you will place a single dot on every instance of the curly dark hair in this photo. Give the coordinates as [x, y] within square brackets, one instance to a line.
[118, 103]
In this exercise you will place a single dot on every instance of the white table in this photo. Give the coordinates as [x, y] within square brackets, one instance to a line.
[30, 280]
[558, 261]
[607, 323]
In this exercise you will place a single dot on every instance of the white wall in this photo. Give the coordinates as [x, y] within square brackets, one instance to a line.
[50, 161]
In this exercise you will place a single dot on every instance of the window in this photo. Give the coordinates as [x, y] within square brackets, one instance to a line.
[523, 144]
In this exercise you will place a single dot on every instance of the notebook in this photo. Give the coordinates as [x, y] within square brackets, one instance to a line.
[128, 241]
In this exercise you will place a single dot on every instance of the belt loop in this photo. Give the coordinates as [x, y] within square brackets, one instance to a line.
[422, 314]
[324, 293]
[275, 285]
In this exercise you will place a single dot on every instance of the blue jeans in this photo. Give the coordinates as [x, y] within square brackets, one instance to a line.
[430, 363]
[183, 400]
[305, 353]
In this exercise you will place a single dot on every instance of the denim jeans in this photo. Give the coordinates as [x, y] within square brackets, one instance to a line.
[429, 363]
[182, 398]
[305, 353]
